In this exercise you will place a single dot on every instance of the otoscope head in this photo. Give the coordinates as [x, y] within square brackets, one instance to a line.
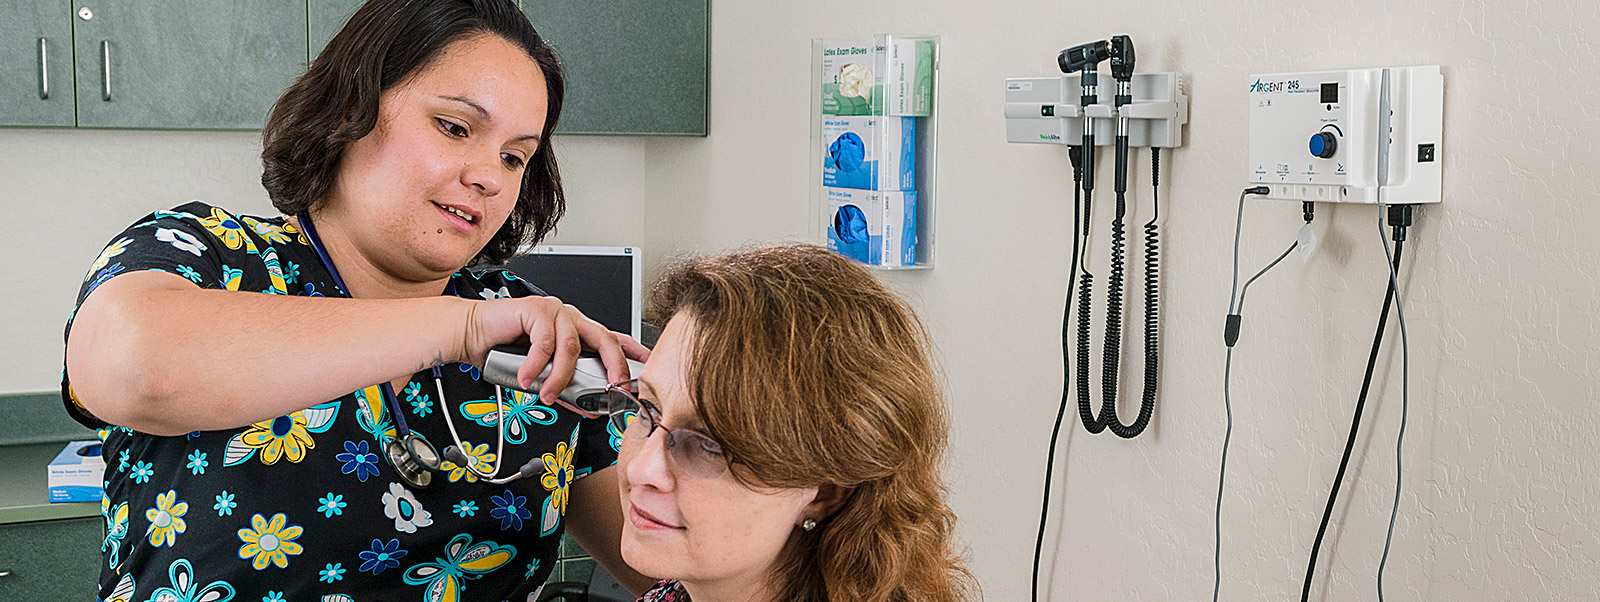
[1083, 56]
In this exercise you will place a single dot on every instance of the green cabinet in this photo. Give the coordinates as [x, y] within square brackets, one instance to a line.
[35, 63]
[633, 66]
[327, 17]
[51, 560]
[197, 64]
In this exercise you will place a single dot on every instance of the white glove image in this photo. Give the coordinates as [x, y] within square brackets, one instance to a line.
[854, 80]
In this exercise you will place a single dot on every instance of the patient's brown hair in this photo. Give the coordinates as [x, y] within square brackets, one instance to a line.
[810, 372]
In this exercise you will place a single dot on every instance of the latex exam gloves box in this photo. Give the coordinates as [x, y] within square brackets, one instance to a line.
[77, 472]
[873, 227]
[869, 153]
[868, 78]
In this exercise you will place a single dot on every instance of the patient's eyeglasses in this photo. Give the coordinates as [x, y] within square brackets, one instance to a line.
[636, 419]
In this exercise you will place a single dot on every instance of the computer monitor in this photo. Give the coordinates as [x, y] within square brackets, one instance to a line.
[605, 283]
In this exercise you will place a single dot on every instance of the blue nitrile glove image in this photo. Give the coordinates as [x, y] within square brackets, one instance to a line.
[847, 153]
[850, 224]
[849, 237]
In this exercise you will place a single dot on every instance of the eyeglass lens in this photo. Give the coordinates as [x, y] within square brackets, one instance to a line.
[695, 452]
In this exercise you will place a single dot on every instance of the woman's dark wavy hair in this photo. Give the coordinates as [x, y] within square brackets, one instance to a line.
[385, 42]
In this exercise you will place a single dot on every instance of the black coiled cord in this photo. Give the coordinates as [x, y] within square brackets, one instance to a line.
[1090, 422]
[1111, 356]
[1113, 345]
[1085, 289]
[1152, 293]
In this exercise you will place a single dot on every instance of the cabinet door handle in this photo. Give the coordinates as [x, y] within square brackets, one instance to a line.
[44, 80]
[105, 69]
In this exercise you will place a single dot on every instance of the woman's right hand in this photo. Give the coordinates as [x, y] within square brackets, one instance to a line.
[556, 334]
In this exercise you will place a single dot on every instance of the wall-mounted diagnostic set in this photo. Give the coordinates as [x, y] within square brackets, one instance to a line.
[1364, 136]
[1132, 110]
[1141, 110]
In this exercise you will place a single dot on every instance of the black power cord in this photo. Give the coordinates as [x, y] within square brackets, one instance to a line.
[1075, 153]
[1399, 219]
[1397, 215]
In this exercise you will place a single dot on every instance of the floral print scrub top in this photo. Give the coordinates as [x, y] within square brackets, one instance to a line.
[305, 507]
[666, 591]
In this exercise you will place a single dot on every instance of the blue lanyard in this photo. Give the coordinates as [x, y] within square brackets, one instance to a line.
[389, 397]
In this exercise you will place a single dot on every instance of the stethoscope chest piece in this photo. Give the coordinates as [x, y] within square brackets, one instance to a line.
[413, 458]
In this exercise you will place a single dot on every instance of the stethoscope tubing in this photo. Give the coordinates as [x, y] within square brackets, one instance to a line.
[390, 399]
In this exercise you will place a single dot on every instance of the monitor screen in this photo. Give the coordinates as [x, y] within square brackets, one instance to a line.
[602, 282]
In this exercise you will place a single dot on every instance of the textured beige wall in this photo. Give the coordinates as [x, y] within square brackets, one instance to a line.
[1501, 501]
[68, 192]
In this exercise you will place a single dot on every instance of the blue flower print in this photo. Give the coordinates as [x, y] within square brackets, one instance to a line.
[192, 274]
[333, 572]
[198, 463]
[358, 458]
[225, 504]
[383, 556]
[122, 461]
[291, 272]
[420, 404]
[106, 274]
[142, 472]
[193, 435]
[332, 505]
[310, 290]
[466, 508]
[510, 510]
[472, 370]
[272, 596]
[533, 567]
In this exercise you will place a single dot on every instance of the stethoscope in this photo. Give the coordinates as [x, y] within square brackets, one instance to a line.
[412, 456]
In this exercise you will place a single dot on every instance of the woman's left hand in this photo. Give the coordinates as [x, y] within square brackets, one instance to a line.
[556, 333]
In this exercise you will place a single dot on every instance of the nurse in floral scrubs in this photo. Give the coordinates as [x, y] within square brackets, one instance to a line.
[246, 385]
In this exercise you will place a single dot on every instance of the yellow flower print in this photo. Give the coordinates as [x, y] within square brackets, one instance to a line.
[166, 519]
[558, 475]
[271, 232]
[279, 437]
[229, 230]
[270, 542]
[114, 250]
[480, 457]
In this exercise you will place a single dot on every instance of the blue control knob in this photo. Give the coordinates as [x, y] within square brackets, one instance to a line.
[1324, 144]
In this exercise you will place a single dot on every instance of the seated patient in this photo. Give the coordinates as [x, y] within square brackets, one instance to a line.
[787, 439]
